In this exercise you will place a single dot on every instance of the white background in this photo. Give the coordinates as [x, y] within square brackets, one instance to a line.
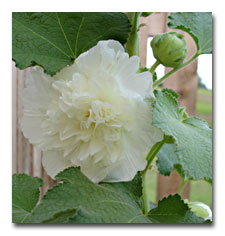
[219, 116]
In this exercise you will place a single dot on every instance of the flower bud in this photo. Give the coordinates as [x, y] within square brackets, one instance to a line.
[169, 49]
[200, 209]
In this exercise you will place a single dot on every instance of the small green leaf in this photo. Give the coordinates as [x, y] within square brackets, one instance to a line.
[183, 114]
[94, 203]
[198, 25]
[142, 69]
[25, 195]
[146, 14]
[53, 40]
[155, 77]
[192, 136]
[173, 210]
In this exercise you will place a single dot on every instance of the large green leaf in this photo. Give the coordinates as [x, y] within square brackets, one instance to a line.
[53, 40]
[25, 195]
[77, 200]
[173, 210]
[198, 25]
[192, 136]
[95, 203]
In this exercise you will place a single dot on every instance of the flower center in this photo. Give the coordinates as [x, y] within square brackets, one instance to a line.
[102, 113]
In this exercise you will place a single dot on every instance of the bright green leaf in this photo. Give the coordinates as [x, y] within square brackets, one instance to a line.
[192, 136]
[25, 195]
[173, 210]
[53, 40]
[198, 25]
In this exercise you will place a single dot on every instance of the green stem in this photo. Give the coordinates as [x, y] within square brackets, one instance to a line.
[155, 149]
[156, 83]
[181, 186]
[132, 45]
[146, 191]
[154, 66]
[150, 157]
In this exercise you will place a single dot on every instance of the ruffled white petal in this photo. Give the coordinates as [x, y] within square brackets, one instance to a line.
[30, 125]
[53, 162]
[127, 168]
[95, 171]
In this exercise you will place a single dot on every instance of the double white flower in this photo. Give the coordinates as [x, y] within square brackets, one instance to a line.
[94, 114]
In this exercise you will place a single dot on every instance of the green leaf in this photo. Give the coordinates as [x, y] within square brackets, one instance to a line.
[167, 159]
[94, 203]
[154, 77]
[192, 136]
[25, 195]
[142, 69]
[198, 25]
[77, 200]
[146, 14]
[208, 222]
[62, 217]
[53, 40]
[182, 113]
[173, 210]
[171, 92]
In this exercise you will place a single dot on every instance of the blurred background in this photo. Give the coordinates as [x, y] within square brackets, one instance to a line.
[193, 83]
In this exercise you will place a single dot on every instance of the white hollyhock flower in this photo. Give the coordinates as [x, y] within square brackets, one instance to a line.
[93, 114]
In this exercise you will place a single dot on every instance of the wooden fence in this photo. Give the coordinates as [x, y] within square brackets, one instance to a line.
[25, 157]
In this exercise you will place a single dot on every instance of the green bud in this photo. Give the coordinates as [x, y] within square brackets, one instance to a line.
[169, 49]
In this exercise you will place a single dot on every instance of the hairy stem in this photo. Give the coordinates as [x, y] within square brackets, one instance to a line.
[145, 181]
[154, 66]
[181, 186]
[155, 149]
[146, 191]
[132, 45]
[156, 83]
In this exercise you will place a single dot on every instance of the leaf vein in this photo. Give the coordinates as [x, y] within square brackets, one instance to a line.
[64, 33]
[78, 32]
